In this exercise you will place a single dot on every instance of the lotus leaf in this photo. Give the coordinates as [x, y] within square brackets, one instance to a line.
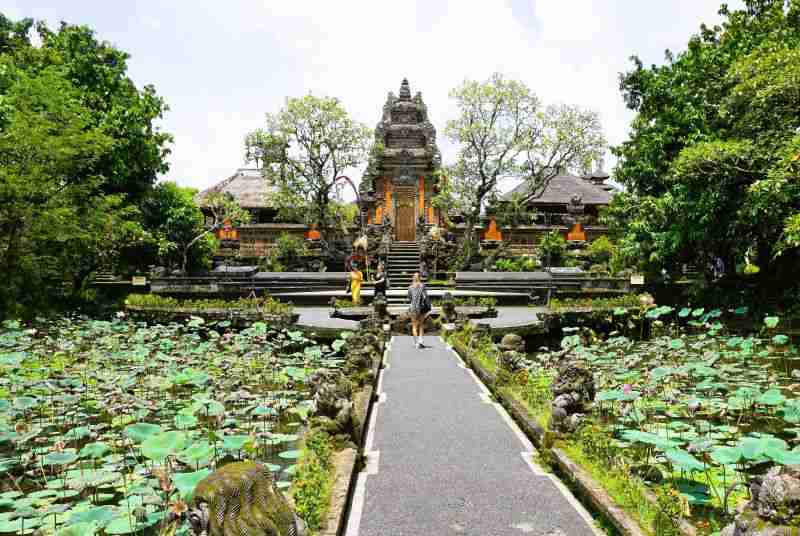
[235, 442]
[140, 431]
[79, 529]
[187, 482]
[760, 448]
[685, 461]
[165, 444]
[94, 450]
[61, 458]
[726, 455]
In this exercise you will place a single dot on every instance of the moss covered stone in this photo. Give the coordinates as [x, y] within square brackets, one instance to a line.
[241, 499]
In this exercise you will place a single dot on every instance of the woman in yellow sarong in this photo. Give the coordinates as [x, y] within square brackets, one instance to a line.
[356, 277]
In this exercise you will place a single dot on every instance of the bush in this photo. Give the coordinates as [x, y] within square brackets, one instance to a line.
[313, 482]
[601, 250]
[287, 253]
[553, 247]
[265, 305]
[519, 264]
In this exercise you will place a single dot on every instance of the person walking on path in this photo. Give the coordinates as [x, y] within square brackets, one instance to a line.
[356, 277]
[418, 309]
[381, 282]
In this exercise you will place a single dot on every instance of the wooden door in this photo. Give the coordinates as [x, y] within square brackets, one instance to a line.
[406, 224]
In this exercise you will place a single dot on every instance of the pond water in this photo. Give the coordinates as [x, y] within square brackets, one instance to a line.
[106, 425]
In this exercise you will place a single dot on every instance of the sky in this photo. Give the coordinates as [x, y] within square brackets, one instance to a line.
[221, 65]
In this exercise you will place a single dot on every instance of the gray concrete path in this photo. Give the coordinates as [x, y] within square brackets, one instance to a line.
[443, 459]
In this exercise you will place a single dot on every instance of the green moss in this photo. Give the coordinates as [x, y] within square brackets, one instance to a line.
[314, 479]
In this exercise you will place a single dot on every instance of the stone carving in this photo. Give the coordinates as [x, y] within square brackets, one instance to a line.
[512, 357]
[573, 392]
[404, 140]
[449, 313]
[774, 509]
[333, 405]
[405, 90]
[241, 499]
[380, 312]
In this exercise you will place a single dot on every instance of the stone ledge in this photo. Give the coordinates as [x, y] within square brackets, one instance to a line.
[600, 500]
[347, 468]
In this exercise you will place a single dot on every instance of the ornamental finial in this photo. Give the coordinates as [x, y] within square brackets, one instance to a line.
[405, 90]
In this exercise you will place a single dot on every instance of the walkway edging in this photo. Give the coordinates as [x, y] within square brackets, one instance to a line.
[591, 489]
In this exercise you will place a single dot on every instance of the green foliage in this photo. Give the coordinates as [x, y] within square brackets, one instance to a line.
[519, 264]
[314, 479]
[79, 151]
[199, 394]
[266, 304]
[304, 149]
[554, 248]
[173, 219]
[625, 301]
[601, 250]
[503, 130]
[711, 164]
[287, 253]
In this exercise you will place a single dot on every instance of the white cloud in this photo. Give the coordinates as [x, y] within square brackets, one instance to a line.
[222, 65]
[151, 22]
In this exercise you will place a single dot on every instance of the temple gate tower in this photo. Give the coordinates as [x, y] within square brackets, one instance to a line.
[400, 179]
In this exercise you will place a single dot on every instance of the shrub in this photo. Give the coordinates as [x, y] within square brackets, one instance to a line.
[286, 254]
[601, 250]
[313, 481]
[267, 304]
[553, 247]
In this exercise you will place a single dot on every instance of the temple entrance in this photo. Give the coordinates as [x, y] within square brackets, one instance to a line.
[405, 220]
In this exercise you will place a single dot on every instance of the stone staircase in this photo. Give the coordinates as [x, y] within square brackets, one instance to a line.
[401, 263]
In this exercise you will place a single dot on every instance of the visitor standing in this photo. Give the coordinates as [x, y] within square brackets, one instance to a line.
[356, 277]
[381, 282]
[418, 309]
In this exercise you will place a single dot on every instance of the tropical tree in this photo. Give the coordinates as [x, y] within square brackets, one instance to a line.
[173, 219]
[714, 149]
[79, 150]
[47, 147]
[503, 131]
[221, 210]
[304, 150]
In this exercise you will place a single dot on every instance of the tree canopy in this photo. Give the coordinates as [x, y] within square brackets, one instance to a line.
[711, 165]
[503, 131]
[303, 150]
[79, 150]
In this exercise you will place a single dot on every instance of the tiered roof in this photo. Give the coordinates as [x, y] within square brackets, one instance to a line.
[407, 137]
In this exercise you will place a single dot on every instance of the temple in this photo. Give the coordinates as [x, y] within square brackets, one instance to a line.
[398, 186]
[401, 177]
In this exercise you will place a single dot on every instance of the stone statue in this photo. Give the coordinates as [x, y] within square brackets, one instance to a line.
[573, 392]
[333, 403]
[513, 356]
[774, 509]
[241, 499]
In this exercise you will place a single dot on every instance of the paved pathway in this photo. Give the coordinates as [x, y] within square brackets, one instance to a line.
[442, 459]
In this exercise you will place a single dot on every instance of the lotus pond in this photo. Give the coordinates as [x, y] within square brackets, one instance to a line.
[694, 407]
[106, 426]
